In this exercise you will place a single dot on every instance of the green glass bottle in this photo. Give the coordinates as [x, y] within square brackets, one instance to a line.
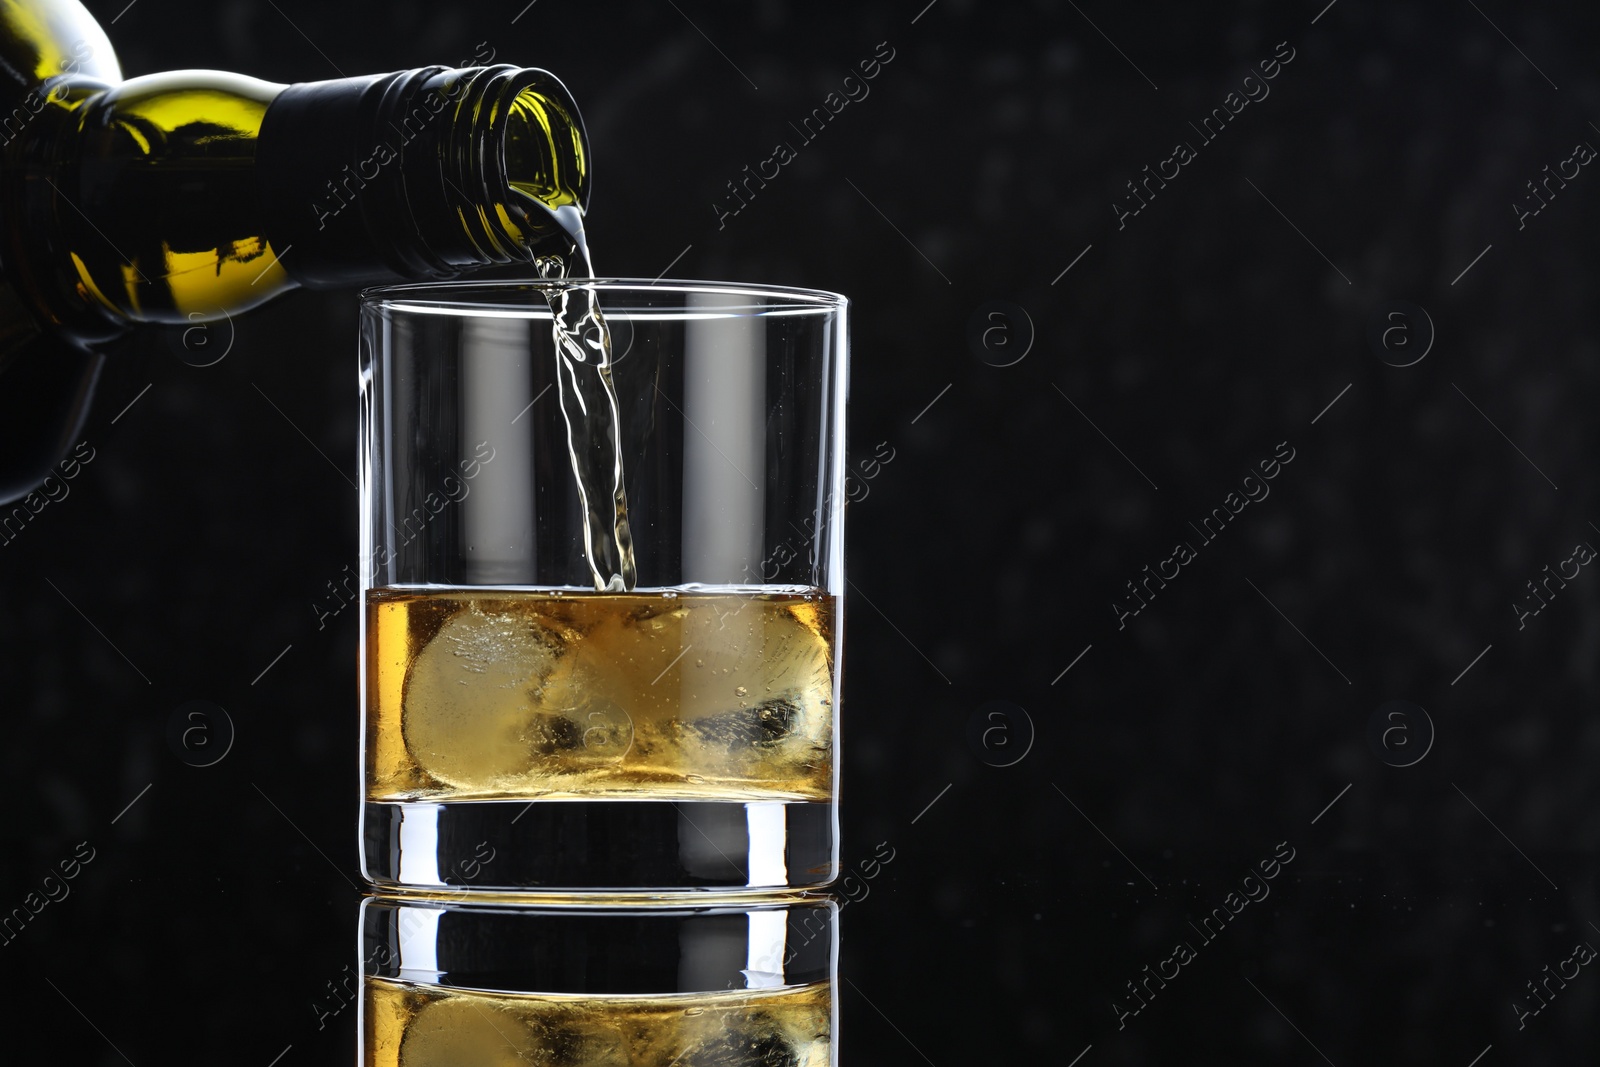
[184, 196]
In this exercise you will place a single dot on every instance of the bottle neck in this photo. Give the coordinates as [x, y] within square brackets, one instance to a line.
[420, 174]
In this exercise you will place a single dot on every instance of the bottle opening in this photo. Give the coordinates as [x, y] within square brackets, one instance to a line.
[547, 168]
[518, 145]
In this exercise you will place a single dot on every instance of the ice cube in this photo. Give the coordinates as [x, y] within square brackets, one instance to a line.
[465, 1030]
[470, 706]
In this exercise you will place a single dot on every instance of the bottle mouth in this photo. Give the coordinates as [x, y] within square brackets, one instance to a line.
[524, 152]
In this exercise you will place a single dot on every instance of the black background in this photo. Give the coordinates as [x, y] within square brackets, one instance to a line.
[1176, 752]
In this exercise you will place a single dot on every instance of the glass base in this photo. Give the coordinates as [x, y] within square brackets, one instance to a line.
[606, 846]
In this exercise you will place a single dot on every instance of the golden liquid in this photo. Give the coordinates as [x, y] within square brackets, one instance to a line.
[589, 407]
[483, 694]
[431, 1026]
[158, 221]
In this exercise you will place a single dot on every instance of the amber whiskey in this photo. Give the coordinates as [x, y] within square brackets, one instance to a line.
[508, 694]
[408, 1025]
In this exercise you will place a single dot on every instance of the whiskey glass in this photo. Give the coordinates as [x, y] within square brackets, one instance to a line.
[672, 732]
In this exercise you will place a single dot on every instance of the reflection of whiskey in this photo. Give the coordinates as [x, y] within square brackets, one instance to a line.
[432, 1026]
[707, 693]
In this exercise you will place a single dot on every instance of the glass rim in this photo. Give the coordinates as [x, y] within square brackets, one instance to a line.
[606, 904]
[467, 297]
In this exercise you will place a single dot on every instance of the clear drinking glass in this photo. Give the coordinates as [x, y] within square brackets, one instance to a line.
[462, 983]
[676, 735]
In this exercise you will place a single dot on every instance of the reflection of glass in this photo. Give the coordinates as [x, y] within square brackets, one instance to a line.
[447, 983]
[676, 734]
